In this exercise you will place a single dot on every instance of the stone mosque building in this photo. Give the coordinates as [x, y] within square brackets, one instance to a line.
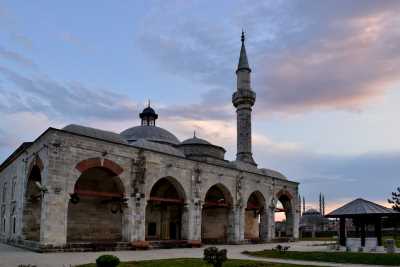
[83, 188]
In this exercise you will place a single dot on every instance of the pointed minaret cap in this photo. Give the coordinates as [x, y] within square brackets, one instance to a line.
[243, 62]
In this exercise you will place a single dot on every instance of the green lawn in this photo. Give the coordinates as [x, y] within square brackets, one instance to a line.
[391, 237]
[196, 263]
[338, 257]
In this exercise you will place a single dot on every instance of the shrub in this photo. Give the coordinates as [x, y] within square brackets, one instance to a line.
[107, 261]
[281, 248]
[214, 256]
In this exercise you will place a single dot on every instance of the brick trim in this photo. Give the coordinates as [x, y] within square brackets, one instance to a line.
[284, 192]
[96, 162]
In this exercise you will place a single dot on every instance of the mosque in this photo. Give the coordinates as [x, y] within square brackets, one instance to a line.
[80, 188]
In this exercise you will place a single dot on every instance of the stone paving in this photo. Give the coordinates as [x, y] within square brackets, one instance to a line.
[12, 257]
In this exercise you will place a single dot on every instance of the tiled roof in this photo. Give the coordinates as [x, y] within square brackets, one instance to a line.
[95, 133]
[361, 206]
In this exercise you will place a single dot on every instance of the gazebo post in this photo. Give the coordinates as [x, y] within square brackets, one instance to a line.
[342, 231]
[363, 234]
[378, 230]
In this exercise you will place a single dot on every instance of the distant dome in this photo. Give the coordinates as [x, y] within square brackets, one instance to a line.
[149, 133]
[195, 141]
[312, 212]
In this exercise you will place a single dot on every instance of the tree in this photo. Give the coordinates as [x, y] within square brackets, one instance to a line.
[395, 200]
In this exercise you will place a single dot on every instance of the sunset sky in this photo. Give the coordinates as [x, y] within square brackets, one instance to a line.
[326, 74]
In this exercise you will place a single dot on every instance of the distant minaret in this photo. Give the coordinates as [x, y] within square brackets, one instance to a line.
[320, 203]
[304, 205]
[243, 100]
[323, 205]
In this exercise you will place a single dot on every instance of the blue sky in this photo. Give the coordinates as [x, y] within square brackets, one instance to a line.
[326, 73]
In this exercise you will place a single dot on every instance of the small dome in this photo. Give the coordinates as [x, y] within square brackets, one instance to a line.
[195, 141]
[148, 112]
[150, 133]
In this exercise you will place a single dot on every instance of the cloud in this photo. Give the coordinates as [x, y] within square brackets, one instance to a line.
[372, 176]
[16, 57]
[22, 40]
[213, 105]
[304, 55]
[67, 101]
[74, 40]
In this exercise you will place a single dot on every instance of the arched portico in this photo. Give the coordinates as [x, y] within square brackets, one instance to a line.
[33, 199]
[256, 218]
[96, 206]
[166, 212]
[217, 215]
[285, 206]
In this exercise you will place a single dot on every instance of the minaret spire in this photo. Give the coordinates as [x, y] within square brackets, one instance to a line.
[243, 62]
[243, 100]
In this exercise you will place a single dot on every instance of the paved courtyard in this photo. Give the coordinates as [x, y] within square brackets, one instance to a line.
[11, 256]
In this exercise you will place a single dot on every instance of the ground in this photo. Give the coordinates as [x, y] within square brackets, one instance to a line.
[11, 256]
[197, 263]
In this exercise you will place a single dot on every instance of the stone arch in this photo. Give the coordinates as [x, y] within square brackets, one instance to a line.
[284, 198]
[33, 198]
[86, 164]
[217, 215]
[166, 214]
[256, 217]
[96, 207]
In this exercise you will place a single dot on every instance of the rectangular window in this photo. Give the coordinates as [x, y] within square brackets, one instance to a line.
[152, 229]
[4, 225]
[14, 222]
[3, 197]
[13, 188]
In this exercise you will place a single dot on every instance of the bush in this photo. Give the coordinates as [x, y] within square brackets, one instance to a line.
[281, 248]
[107, 261]
[214, 256]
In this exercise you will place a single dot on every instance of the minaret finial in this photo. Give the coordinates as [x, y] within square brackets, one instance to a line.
[243, 36]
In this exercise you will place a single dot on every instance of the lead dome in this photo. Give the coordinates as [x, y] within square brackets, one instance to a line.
[149, 131]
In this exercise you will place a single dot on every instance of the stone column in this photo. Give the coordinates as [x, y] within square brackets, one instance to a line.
[271, 223]
[194, 224]
[128, 220]
[296, 222]
[238, 224]
[53, 222]
[264, 225]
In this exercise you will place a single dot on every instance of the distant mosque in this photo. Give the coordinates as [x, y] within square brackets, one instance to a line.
[80, 188]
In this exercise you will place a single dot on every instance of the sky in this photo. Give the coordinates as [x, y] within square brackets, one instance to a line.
[326, 74]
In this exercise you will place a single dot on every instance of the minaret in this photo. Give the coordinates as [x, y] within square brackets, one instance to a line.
[243, 100]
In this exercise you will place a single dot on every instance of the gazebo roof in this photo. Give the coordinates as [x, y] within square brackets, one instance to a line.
[360, 207]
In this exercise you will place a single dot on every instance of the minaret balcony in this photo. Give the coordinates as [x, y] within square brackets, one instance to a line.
[243, 96]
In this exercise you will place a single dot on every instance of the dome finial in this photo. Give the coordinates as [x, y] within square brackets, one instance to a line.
[194, 134]
[148, 103]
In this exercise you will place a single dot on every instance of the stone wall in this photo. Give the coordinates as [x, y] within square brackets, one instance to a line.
[90, 220]
[215, 225]
[251, 225]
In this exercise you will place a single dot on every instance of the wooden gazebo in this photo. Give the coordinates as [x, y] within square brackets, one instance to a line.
[363, 213]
